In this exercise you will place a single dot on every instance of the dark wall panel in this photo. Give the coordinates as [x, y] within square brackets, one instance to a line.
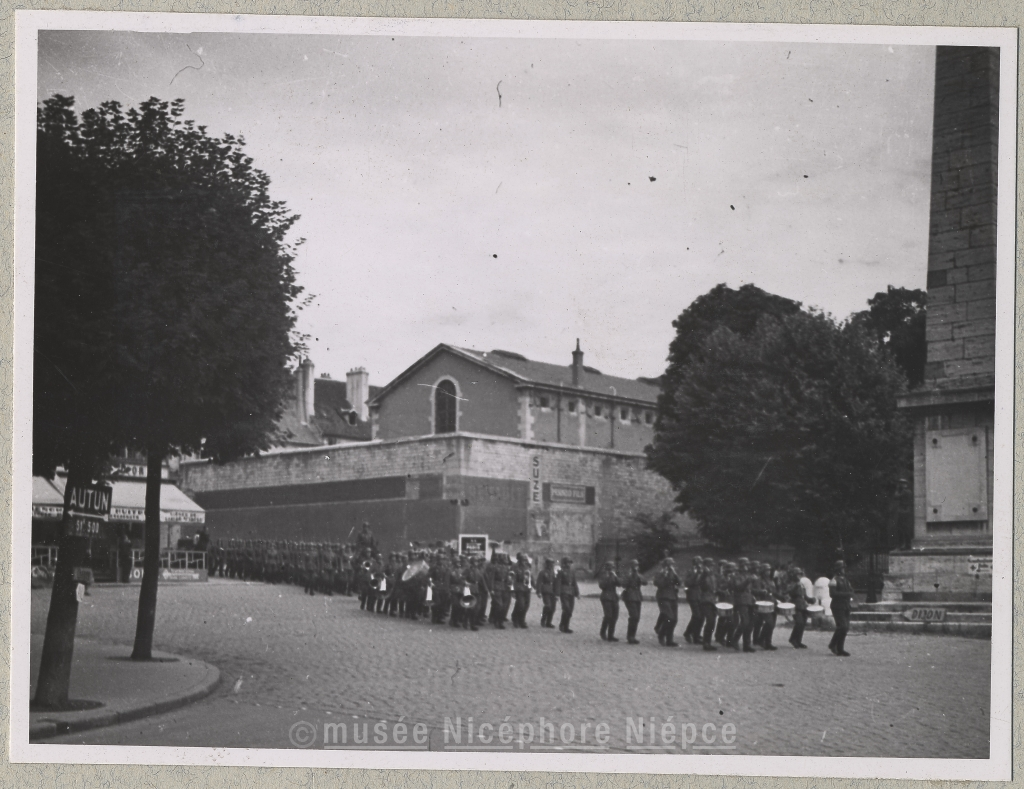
[309, 493]
[394, 523]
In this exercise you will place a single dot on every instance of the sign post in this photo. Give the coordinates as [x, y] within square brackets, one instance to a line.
[86, 506]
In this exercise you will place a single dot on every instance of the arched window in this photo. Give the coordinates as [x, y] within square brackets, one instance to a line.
[445, 401]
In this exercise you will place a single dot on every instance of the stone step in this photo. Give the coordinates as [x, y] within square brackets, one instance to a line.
[902, 605]
[897, 616]
[966, 629]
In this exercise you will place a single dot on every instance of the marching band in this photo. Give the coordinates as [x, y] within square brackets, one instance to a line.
[732, 604]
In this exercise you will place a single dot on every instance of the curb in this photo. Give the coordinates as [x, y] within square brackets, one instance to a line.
[45, 729]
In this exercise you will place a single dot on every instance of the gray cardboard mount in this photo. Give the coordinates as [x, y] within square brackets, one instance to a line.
[980, 13]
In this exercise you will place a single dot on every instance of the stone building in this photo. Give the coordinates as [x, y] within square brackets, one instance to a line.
[539, 457]
[324, 411]
[953, 412]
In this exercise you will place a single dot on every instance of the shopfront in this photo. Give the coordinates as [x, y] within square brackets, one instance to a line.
[107, 553]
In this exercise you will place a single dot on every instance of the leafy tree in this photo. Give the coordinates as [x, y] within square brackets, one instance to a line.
[737, 310]
[187, 332]
[788, 433]
[654, 537]
[896, 318]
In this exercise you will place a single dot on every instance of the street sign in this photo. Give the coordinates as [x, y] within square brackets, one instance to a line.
[921, 614]
[88, 507]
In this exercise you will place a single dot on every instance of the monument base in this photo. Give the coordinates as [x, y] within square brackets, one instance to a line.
[954, 573]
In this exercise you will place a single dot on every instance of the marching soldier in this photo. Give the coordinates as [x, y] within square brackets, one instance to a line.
[521, 589]
[743, 607]
[440, 584]
[633, 597]
[798, 596]
[667, 581]
[723, 584]
[766, 590]
[456, 585]
[708, 599]
[546, 590]
[609, 582]
[477, 588]
[841, 591]
[692, 586]
[567, 590]
[493, 578]
[503, 585]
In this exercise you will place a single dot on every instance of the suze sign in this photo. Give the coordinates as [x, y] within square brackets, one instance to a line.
[88, 507]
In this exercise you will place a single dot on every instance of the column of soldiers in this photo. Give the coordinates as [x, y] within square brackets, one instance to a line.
[445, 587]
[723, 600]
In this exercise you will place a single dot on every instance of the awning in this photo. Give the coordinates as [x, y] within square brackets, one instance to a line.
[128, 503]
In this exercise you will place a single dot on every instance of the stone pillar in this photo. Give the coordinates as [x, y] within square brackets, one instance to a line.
[953, 411]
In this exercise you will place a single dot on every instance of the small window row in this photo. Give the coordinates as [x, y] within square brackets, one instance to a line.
[599, 411]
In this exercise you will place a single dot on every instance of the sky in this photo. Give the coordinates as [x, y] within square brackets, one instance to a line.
[522, 193]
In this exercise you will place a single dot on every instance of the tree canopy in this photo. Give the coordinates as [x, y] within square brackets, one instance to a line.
[164, 316]
[165, 293]
[782, 430]
[896, 319]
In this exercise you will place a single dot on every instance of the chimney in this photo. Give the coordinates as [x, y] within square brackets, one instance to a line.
[577, 364]
[357, 389]
[304, 390]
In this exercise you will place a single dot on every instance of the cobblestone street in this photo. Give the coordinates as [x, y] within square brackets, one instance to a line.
[285, 656]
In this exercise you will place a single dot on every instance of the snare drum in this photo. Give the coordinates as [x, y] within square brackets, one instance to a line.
[815, 609]
[786, 608]
[724, 609]
[764, 606]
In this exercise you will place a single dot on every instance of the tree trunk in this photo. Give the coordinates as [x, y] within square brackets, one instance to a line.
[151, 564]
[62, 618]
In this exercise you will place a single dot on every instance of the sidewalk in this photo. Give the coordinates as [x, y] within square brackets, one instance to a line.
[127, 689]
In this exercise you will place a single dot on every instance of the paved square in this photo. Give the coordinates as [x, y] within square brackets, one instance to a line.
[286, 657]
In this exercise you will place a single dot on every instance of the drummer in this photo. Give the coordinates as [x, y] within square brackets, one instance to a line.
[743, 606]
[723, 586]
[798, 596]
[708, 598]
[765, 591]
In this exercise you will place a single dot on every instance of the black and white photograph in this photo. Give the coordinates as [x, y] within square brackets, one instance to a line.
[463, 394]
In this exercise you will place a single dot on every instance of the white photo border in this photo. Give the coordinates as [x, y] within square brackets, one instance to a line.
[996, 767]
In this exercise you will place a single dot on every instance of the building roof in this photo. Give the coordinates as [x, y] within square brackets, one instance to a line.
[330, 420]
[526, 371]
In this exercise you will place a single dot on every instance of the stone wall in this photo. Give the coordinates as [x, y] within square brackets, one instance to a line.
[962, 244]
[433, 487]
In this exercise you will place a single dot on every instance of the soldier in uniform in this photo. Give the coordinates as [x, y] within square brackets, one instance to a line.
[365, 540]
[475, 582]
[456, 583]
[841, 591]
[798, 596]
[633, 597]
[708, 598]
[765, 590]
[723, 584]
[521, 578]
[609, 583]
[692, 586]
[440, 583]
[493, 578]
[667, 582]
[502, 587]
[546, 590]
[567, 590]
[743, 607]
